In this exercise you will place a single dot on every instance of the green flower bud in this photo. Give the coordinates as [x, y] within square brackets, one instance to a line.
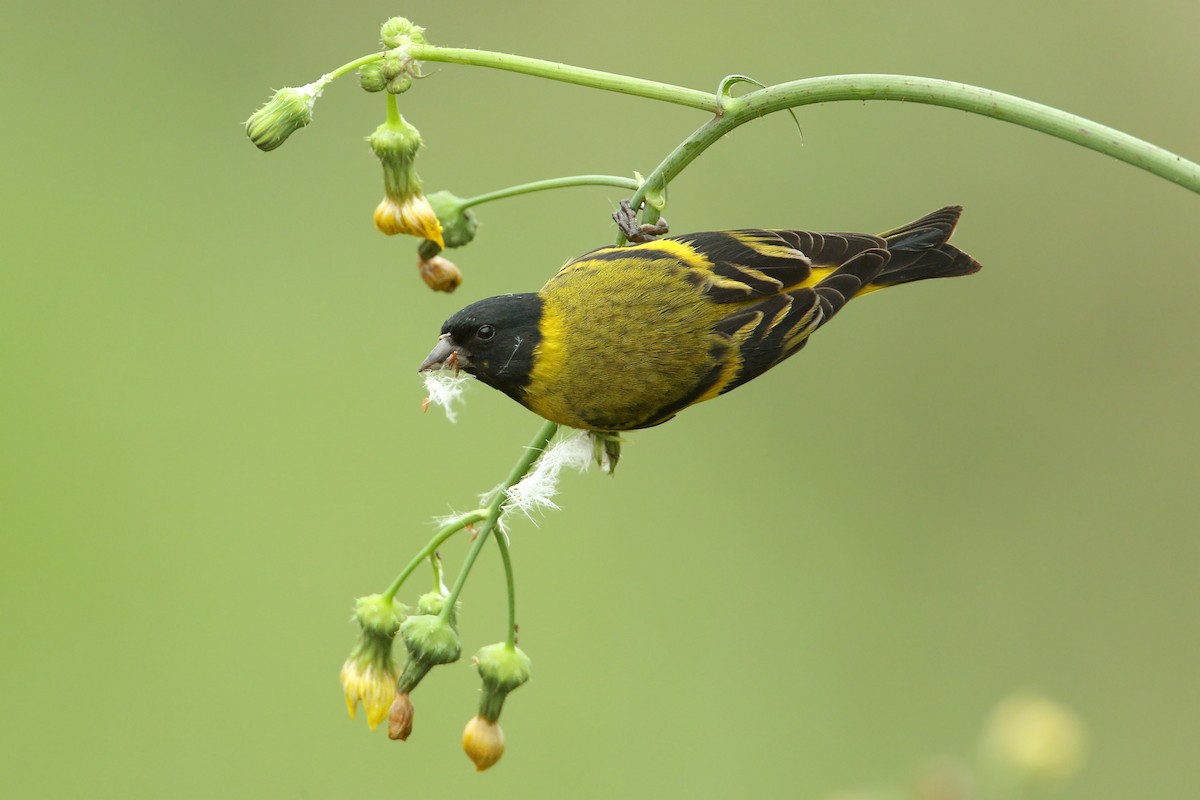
[430, 638]
[502, 666]
[392, 66]
[400, 84]
[370, 77]
[288, 110]
[432, 603]
[458, 224]
[398, 30]
[503, 669]
[430, 641]
[378, 615]
[396, 142]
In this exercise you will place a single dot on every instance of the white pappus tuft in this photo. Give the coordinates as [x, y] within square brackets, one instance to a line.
[535, 492]
[445, 388]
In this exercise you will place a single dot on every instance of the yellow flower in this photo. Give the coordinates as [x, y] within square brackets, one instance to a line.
[409, 214]
[369, 683]
[483, 742]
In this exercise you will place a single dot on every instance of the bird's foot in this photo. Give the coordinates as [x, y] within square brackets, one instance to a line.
[627, 220]
[606, 448]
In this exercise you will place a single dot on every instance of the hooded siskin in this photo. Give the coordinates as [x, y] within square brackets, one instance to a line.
[627, 337]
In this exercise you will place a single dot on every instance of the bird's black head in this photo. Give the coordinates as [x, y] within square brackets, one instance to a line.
[493, 340]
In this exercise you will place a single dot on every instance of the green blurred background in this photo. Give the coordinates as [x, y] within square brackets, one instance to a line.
[212, 439]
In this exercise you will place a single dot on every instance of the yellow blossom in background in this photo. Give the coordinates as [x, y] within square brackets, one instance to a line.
[1036, 739]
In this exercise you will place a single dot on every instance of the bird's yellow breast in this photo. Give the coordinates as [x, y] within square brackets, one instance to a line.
[624, 336]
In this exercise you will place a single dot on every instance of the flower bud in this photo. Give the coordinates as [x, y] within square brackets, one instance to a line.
[369, 674]
[400, 717]
[432, 603]
[288, 110]
[430, 638]
[395, 143]
[430, 641]
[1035, 739]
[440, 274]
[398, 30]
[370, 77]
[483, 742]
[458, 223]
[400, 84]
[503, 668]
[391, 66]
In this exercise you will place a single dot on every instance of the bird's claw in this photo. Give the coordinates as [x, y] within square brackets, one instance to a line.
[627, 220]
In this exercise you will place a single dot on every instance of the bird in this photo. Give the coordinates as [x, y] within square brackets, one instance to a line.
[626, 337]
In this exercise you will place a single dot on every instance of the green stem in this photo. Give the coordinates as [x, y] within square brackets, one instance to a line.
[552, 183]
[495, 506]
[393, 110]
[512, 591]
[1004, 107]
[596, 79]
[443, 533]
[929, 91]
[353, 65]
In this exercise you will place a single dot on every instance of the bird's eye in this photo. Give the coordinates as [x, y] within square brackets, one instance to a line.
[485, 332]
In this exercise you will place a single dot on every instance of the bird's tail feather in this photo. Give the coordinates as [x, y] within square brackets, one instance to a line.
[919, 250]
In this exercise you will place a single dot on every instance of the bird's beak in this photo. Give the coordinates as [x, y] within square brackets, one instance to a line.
[444, 355]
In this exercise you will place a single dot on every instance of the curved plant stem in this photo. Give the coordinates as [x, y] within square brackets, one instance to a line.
[350, 66]
[494, 507]
[930, 91]
[553, 183]
[997, 105]
[609, 81]
[443, 533]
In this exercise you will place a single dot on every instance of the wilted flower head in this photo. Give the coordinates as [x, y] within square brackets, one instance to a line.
[288, 110]
[440, 274]
[369, 674]
[483, 742]
[400, 718]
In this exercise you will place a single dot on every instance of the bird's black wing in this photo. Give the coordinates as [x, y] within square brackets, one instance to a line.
[745, 264]
[768, 331]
